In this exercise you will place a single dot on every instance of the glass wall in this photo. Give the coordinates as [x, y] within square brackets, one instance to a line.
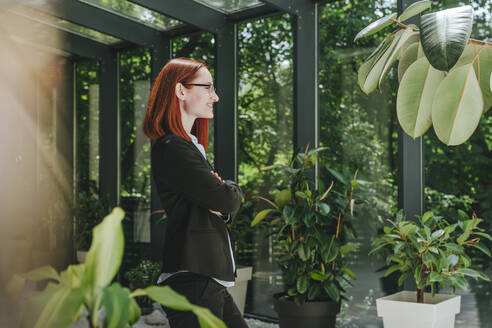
[265, 135]
[134, 93]
[87, 121]
[460, 178]
[360, 133]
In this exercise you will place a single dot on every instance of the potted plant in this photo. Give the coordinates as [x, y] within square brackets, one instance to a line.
[87, 287]
[310, 229]
[89, 209]
[433, 252]
[444, 75]
[145, 274]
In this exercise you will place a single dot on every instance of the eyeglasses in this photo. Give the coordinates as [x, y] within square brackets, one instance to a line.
[210, 87]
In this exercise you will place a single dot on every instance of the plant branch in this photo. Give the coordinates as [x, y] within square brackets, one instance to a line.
[473, 41]
[400, 24]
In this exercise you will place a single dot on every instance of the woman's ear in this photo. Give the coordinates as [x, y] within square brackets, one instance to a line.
[179, 91]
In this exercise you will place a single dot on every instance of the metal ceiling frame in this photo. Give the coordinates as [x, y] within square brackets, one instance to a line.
[101, 20]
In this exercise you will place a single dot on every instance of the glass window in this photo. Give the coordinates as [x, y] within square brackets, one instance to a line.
[460, 177]
[265, 137]
[137, 13]
[229, 6]
[135, 146]
[199, 46]
[87, 120]
[44, 18]
[360, 132]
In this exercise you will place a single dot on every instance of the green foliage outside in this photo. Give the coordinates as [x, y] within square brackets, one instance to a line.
[135, 147]
[90, 208]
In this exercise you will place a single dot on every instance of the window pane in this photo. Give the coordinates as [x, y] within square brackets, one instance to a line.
[265, 137]
[360, 132]
[87, 120]
[135, 146]
[460, 177]
[199, 46]
[44, 18]
[135, 12]
[228, 6]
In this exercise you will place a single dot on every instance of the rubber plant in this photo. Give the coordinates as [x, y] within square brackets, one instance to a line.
[432, 251]
[445, 77]
[309, 226]
[87, 287]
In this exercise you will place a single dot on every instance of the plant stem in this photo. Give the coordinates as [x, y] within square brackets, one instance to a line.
[400, 24]
[338, 224]
[480, 42]
[420, 295]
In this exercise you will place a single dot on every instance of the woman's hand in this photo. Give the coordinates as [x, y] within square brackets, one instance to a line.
[217, 176]
[216, 212]
[220, 179]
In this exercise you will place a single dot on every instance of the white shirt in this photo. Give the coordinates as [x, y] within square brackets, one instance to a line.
[166, 275]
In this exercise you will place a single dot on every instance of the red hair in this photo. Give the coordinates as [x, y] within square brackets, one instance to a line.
[163, 114]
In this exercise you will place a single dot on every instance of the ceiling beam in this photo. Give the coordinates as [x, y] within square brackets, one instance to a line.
[104, 21]
[188, 11]
[288, 6]
[40, 33]
[252, 13]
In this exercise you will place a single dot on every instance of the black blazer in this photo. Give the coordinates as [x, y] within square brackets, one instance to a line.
[196, 239]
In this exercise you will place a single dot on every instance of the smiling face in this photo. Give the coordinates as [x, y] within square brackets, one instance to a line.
[197, 101]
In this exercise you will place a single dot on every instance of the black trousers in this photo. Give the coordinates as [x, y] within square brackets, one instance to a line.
[205, 292]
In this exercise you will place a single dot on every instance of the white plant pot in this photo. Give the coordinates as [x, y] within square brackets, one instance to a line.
[401, 310]
[238, 291]
[81, 256]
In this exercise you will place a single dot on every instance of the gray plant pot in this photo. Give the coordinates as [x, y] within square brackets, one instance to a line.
[320, 314]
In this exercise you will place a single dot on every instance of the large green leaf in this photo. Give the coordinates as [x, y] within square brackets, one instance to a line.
[283, 197]
[56, 306]
[168, 297]
[378, 48]
[302, 284]
[42, 273]
[375, 26]
[17, 282]
[444, 35]
[73, 275]
[467, 56]
[481, 57]
[395, 53]
[331, 290]
[414, 9]
[371, 80]
[331, 252]
[104, 256]
[116, 302]
[415, 97]
[414, 38]
[408, 57]
[481, 247]
[365, 68]
[457, 106]
[484, 74]
[135, 312]
[260, 216]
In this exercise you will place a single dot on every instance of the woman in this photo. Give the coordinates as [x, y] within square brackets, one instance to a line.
[198, 261]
